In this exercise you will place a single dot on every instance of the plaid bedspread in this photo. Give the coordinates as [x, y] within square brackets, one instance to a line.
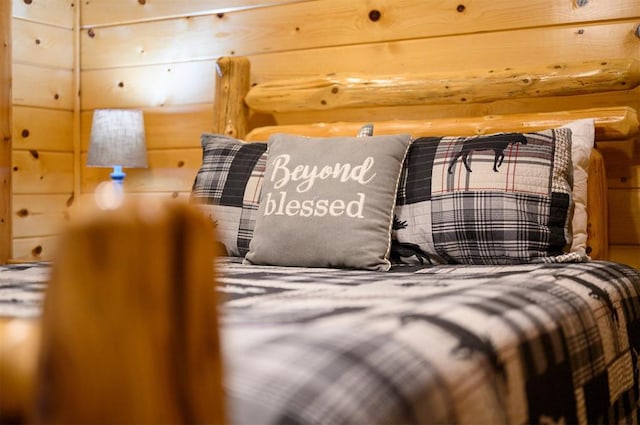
[545, 343]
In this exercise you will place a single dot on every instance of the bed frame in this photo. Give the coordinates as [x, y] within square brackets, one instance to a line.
[237, 103]
[236, 106]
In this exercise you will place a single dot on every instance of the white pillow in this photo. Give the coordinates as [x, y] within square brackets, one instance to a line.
[582, 138]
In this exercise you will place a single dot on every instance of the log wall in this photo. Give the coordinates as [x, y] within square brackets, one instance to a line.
[159, 56]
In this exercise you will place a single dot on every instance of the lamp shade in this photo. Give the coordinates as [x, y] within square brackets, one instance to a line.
[117, 139]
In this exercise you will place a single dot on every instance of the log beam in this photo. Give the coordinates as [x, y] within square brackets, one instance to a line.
[342, 90]
[614, 123]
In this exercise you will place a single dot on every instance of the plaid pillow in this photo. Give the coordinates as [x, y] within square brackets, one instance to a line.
[227, 188]
[503, 198]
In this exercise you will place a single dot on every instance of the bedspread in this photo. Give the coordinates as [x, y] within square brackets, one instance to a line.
[445, 344]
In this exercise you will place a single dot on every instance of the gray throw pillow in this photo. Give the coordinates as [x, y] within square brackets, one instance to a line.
[328, 202]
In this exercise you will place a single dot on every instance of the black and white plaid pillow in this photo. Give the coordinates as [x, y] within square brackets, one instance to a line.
[227, 188]
[494, 199]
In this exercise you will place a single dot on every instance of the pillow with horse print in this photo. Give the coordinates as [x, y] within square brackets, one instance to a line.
[503, 198]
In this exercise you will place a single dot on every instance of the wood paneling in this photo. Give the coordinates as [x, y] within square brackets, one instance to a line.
[41, 172]
[316, 24]
[51, 12]
[44, 45]
[34, 249]
[112, 12]
[5, 131]
[39, 215]
[497, 50]
[150, 86]
[42, 129]
[43, 87]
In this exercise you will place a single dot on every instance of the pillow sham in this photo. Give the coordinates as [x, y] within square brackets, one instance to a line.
[504, 198]
[328, 202]
[582, 140]
[227, 188]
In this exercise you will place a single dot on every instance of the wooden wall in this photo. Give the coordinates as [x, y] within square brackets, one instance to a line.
[5, 131]
[43, 94]
[159, 55]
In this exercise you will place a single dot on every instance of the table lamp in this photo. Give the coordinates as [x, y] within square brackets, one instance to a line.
[117, 140]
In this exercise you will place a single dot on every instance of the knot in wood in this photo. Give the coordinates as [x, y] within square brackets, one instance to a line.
[25, 133]
[461, 8]
[374, 15]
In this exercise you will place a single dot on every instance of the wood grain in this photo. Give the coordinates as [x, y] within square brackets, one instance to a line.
[110, 12]
[597, 211]
[491, 50]
[44, 45]
[153, 86]
[42, 129]
[295, 26]
[37, 248]
[43, 87]
[611, 124]
[5, 131]
[346, 90]
[230, 114]
[40, 215]
[42, 172]
[52, 12]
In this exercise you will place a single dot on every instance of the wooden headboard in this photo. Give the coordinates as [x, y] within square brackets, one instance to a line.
[239, 105]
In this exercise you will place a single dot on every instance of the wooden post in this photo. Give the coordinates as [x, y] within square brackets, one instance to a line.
[231, 115]
[597, 208]
[5, 131]
[129, 324]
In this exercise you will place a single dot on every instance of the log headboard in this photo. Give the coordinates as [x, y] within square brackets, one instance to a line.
[238, 103]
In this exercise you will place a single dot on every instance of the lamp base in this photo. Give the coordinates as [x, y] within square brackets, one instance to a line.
[117, 176]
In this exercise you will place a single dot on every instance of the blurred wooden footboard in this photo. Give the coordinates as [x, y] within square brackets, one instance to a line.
[129, 329]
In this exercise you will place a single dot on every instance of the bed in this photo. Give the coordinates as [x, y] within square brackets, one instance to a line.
[409, 306]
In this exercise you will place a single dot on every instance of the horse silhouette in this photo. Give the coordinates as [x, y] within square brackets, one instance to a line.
[495, 142]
